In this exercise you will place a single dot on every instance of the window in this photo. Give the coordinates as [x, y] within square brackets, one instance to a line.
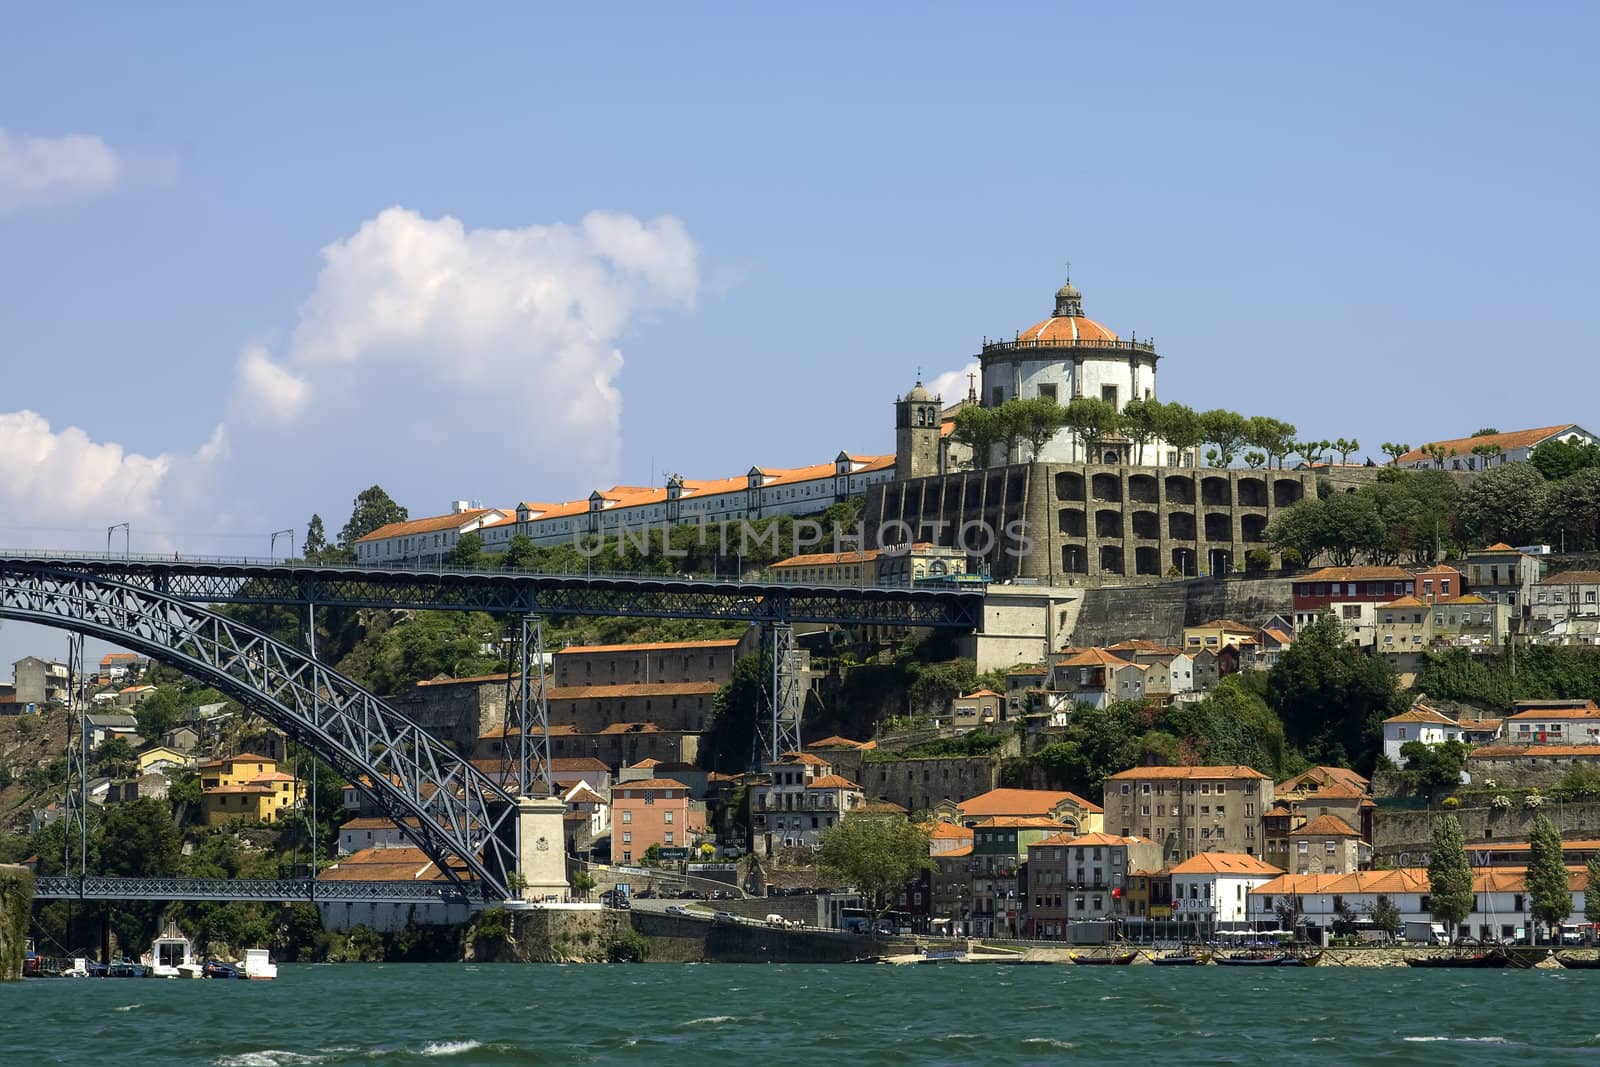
[1330, 847]
[666, 817]
[1305, 847]
[627, 816]
[1108, 393]
[1125, 789]
[627, 837]
[1047, 392]
[668, 838]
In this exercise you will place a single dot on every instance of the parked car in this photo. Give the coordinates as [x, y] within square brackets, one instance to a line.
[725, 917]
[689, 894]
[677, 909]
[720, 894]
[646, 894]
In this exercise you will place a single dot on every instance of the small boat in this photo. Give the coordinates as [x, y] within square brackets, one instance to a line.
[1181, 959]
[127, 969]
[1120, 959]
[1475, 959]
[1573, 963]
[217, 969]
[191, 970]
[169, 953]
[258, 966]
[1269, 959]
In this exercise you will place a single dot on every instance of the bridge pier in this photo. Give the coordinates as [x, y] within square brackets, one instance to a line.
[542, 849]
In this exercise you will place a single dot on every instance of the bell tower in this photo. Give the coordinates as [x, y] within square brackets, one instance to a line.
[916, 434]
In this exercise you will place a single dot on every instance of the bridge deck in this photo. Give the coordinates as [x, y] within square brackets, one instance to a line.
[97, 887]
[216, 580]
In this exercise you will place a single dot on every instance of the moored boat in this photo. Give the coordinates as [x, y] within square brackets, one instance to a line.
[1181, 959]
[258, 965]
[1473, 959]
[1575, 963]
[170, 953]
[1118, 959]
[1266, 959]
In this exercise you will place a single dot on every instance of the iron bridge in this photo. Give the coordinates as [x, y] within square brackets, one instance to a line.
[212, 580]
[269, 890]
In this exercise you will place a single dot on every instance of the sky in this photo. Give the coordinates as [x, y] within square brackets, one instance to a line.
[256, 261]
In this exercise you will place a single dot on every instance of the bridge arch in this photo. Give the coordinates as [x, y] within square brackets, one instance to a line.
[463, 815]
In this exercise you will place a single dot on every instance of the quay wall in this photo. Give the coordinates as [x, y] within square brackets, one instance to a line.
[1403, 837]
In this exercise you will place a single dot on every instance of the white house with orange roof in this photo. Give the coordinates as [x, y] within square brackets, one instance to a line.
[1212, 888]
[1095, 676]
[1054, 805]
[425, 540]
[1482, 451]
[1552, 722]
[983, 707]
[1420, 723]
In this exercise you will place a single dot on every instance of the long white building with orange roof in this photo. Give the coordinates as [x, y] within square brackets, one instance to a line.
[633, 510]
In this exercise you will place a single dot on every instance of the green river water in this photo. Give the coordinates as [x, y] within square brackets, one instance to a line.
[459, 1014]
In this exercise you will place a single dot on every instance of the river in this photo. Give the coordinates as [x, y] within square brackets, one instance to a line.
[706, 1014]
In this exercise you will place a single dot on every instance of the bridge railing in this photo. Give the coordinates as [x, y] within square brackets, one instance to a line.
[98, 887]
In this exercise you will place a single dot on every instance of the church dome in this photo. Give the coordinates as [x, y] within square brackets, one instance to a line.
[918, 392]
[1068, 325]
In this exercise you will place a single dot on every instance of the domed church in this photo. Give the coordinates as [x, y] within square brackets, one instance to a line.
[1068, 356]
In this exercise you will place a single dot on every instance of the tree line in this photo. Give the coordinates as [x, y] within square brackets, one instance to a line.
[1257, 441]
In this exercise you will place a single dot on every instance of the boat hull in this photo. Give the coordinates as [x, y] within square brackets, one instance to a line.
[1591, 964]
[1121, 960]
[1482, 962]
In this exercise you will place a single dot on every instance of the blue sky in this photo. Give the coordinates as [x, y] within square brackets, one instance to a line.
[1371, 220]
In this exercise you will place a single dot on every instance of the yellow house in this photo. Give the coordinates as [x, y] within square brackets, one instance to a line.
[1217, 634]
[163, 758]
[248, 787]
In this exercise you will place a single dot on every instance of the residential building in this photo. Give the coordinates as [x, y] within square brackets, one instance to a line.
[1409, 628]
[1082, 878]
[1505, 575]
[1068, 810]
[247, 786]
[984, 707]
[1218, 633]
[396, 863]
[999, 871]
[152, 786]
[376, 831]
[1552, 722]
[40, 681]
[1526, 766]
[165, 759]
[1565, 596]
[921, 783]
[1190, 810]
[1420, 723]
[1022, 624]
[1095, 676]
[1271, 643]
[655, 811]
[103, 727]
[800, 798]
[651, 663]
[1169, 671]
[1212, 889]
[951, 891]
[1326, 791]
[1483, 451]
[1353, 594]
[1327, 845]
[1025, 686]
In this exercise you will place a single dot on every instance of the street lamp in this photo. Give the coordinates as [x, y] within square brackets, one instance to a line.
[289, 533]
[127, 537]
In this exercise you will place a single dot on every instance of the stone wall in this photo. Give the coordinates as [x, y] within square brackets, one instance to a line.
[1403, 837]
[677, 939]
[16, 907]
[919, 784]
[1160, 612]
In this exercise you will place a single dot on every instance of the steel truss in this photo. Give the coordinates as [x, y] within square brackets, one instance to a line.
[784, 695]
[76, 840]
[463, 817]
[97, 887]
[639, 596]
[525, 737]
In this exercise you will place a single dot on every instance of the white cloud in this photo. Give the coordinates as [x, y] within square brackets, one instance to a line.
[264, 391]
[35, 169]
[426, 335]
[435, 360]
[952, 386]
[61, 479]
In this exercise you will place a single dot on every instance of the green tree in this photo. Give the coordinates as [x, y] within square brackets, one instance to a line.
[1486, 453]
[1572, 511]
[735, 710]
[1386, 916]
[1344, 447]
[160, 711]
[1180, 426]
[1272, 436]
[1011, 424]
[139, 840]
[1039, 419]
[371, 509]
[937, 684]
[521, 554]
[1558, 459]
[316, 540]
[1433, 766]
[877, 854]
[1093, 420]
[1549, 898]
[1331, 697]
[467, 551]
[1504, 504]
[1227, 430]
[582, 884]
[979, 429]
[1450, 896]
[1394, 450]
[1141, 421]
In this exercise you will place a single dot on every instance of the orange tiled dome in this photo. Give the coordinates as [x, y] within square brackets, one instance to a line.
[1067, 325]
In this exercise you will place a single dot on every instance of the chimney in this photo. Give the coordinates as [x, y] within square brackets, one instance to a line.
[458, 507]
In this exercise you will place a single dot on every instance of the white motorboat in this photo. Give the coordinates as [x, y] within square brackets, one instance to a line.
[170, 954]
[257, 964]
